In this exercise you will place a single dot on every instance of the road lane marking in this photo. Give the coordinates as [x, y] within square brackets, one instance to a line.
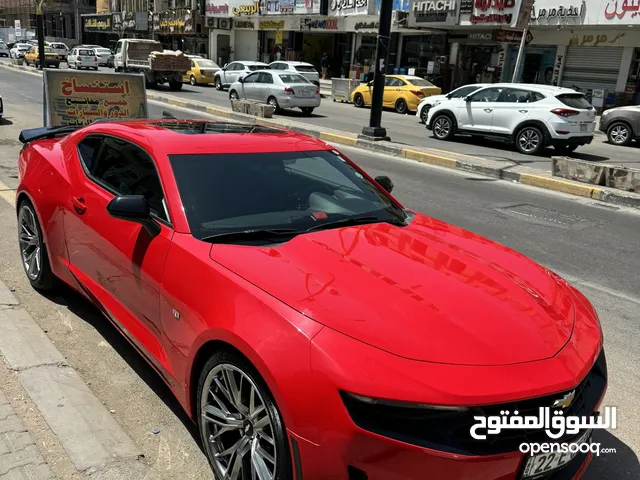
[8, 194]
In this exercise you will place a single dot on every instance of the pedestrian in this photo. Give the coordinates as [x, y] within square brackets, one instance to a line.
[324, 64]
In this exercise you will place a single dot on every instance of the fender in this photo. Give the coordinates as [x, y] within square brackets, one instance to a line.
[536, 123]
[444, 111]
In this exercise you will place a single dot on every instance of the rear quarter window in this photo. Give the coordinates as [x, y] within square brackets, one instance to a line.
[574, 100]
[305, 68]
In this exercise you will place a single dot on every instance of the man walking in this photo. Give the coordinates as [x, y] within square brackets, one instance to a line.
[324, 64]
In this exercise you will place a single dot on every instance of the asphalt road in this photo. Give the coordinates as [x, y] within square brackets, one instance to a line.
[593, 245]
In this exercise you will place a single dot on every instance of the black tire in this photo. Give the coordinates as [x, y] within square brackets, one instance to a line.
[95, 68]
[175, 86]
[358, 100]
[443, 127]
[218, 84]
[230, 358]
[273, 101]
[620, 133]
[233, 95]
[529, 140]
[564, 149]
[192, 81]
[117, 69]
[307, 110]
[401, 106]
[424, 114]
[45, 280]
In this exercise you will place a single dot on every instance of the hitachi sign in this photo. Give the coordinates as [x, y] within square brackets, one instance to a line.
[434, 6]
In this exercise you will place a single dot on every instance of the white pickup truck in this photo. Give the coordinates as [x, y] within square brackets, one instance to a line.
[149, 58]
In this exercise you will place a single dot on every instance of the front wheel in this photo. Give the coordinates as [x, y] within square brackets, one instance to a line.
[233, 95]
[33, 251]
[240, 426]
[307, 110]
[424, 114]
[529, 140]
[358, 100]
[619, 134]
[401, 106]
[443, 127]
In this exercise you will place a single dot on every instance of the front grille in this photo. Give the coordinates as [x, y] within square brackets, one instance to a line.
[449, 431]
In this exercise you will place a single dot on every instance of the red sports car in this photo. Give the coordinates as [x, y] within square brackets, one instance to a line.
[312, 326]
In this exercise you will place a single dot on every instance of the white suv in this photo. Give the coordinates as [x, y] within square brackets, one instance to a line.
[530, 116]
[428, 102]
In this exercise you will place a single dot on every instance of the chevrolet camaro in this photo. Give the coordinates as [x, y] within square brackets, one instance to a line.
[310, 325]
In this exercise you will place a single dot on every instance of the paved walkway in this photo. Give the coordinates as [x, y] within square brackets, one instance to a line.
[20, 458]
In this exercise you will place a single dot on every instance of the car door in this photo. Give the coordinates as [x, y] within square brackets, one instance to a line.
[476, 112]
[231, 75]
[392, 91]
[118, 59]
[248, 86]
[119, 263]
[186, 76]
[263, 87]
[30, 55]
[513, 107]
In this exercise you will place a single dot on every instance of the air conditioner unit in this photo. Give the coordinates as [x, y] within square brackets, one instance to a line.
[211, 22]
[400, 17]
[224, 24]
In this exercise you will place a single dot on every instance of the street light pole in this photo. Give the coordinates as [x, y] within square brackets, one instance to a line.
[40, 32]
[375, 131]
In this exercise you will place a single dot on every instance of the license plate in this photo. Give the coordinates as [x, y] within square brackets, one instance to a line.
[583, 128]
[305, 93]
[546, 462]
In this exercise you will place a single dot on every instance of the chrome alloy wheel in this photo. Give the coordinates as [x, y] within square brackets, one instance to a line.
[529, 140]
[619, 134]
[29, 238]
[442, 127]
[236, 423]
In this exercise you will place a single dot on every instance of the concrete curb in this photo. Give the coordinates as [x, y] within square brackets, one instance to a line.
[440, 158]
[94, 442]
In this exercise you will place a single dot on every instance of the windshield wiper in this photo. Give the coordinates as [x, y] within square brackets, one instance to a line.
[346, 222]
[255, 234]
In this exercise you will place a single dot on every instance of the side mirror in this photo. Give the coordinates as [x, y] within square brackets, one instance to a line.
[241, 79]
[448, 96]
[467, 98]
[134, 208]
[385, 182]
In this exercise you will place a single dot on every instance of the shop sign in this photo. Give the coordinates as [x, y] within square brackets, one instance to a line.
[217, 8]
[557, 69]
[270, 25]
[619, 9]
[594, 40]
[250, 9]
[177, 21]
[307, 7]
[97, 23]
[244, 24]
[466, 6]
[511, 36]
[491, 12]
[561, 12]
[372, 26]
[277, 7]
[398, 5]
[350, 7]
[318, 24]
[434, 11]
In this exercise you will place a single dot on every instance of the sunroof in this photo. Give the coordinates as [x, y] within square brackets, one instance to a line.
[200, 127]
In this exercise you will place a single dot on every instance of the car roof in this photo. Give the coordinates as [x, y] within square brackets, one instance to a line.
[248, 62]
[534, 86]
[168, 136]
[294, 63]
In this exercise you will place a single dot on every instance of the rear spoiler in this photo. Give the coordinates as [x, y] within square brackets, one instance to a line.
[32, 134]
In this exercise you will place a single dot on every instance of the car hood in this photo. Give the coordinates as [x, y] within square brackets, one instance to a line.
[434, 98]
[630, 108]
[428, 291]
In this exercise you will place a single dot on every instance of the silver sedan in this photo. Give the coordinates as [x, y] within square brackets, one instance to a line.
[279, 89]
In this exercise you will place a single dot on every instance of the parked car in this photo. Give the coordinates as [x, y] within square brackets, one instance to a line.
[308, 323]
[4, 49]
[530, 116]
[61, 49]
[305, 69]
[19, 49]
[230, 73]
[34, 42]
[51, 58]
[278, 89]
[81, 57]
[105, 56]
[201, 72]
[401, 92]
[621, 124]
[428, 102]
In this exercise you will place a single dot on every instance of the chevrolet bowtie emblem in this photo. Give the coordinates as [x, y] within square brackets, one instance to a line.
[565, 401]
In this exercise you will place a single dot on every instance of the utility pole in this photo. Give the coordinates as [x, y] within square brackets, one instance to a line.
[40, 33]
[375, 131]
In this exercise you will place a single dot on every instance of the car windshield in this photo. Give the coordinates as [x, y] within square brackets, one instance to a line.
[574, 100]
[305, 68]
[236, 192]
[207, 63]
[49, 50]
[85, 52]
[293, 78]
[24, 47]
[419, 82]
[464, 91]
[253, 68]
[103, 50]
[59, 45]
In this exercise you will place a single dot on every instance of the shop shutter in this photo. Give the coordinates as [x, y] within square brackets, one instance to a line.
[592, 67]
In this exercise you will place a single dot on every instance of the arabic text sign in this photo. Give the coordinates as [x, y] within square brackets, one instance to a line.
[620, 12]
[491, 12]
[79, 98]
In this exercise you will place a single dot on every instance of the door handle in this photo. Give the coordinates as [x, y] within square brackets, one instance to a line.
[523, 111]
[79, 205]
[488, 110]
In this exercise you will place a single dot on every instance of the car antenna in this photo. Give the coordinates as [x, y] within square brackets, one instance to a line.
[168, 115]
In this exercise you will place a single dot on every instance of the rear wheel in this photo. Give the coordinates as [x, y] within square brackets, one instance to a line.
[443, 128]
[174, 85]
[218, 83]
[401, 106]
[240, 426]
[33, 251]
[274, 103]
[307, 110]
[619, 134]
[529, 140]
[358, 100]
[192, 80]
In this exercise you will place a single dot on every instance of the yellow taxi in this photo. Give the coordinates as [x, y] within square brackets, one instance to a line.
[201, 72]
[401, 92]
[51, 58]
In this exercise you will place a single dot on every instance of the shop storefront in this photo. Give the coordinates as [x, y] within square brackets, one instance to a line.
[180, 30]
[476, 57]
[99, 30]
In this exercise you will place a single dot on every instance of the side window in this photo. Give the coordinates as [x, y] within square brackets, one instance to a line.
[277, 66]
[193, 64]
[463, 92]
[119, 47]
[237, 66]
[399, 83]
[265, 78]
[487, 95]
[515, 95]
[124, 169]
[253, 78]
[388, 81]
